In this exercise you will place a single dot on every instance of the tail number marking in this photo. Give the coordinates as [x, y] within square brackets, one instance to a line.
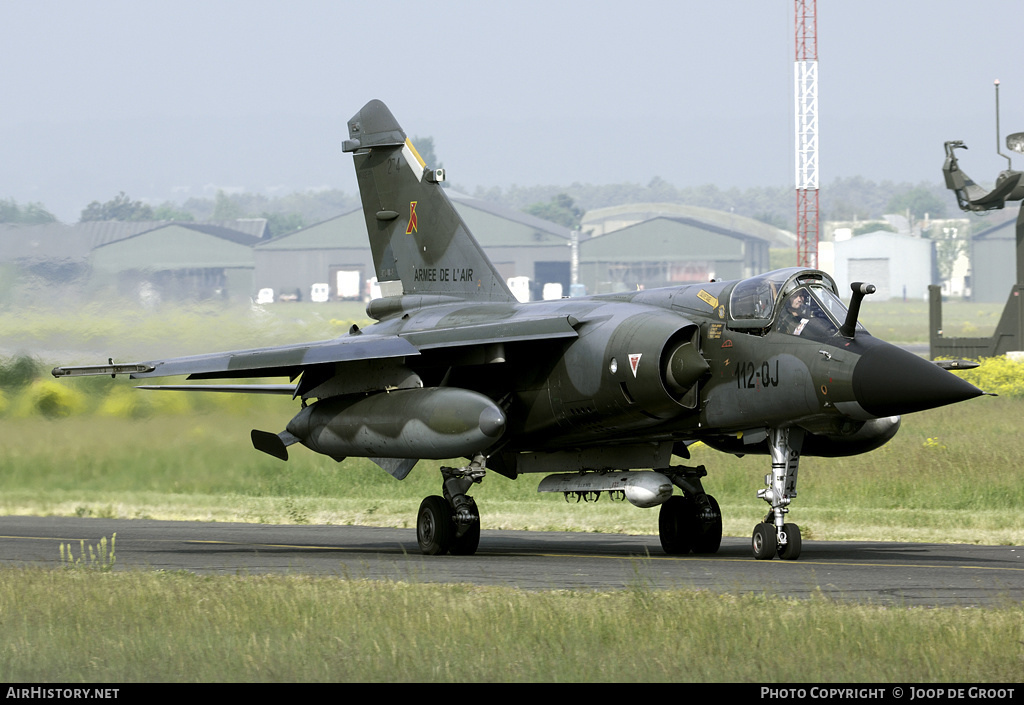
[750, 375]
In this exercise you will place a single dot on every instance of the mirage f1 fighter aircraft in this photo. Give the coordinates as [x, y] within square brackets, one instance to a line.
[597, 392]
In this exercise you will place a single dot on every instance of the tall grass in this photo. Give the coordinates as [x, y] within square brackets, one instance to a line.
[80, 625]
[126, 330]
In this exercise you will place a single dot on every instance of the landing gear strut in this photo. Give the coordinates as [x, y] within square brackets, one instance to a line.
[451, 524]
[691, 521]
[774, 536]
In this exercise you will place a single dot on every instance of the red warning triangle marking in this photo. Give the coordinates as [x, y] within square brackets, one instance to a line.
[634, 361]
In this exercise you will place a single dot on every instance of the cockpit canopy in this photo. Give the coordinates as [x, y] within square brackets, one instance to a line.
[796, 301]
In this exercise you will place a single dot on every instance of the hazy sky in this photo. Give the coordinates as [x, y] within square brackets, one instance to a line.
[166, 100]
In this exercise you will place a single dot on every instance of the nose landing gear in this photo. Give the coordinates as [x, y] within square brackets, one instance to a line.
[774, 536]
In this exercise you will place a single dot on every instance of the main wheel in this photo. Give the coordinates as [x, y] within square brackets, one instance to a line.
[790, 551]
[764, 541]
[707, 534]
[466, 544]
[675, 522]
[434, 526]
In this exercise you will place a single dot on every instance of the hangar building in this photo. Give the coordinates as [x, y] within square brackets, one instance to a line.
[657, 244]
[994, 262]
[900, 266]
[180, 260]
[336, 252]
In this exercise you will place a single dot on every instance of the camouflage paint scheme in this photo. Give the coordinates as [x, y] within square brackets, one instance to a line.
[455, 366]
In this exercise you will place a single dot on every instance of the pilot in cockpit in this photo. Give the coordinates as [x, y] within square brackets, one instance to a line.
[802, 315]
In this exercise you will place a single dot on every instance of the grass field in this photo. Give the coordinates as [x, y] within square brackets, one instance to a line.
[95, 448]
[117, 627]
[907, 321]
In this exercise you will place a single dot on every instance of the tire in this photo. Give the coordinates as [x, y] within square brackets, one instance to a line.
[794, 544]
[434, 526]
[675, 523]
[466, 544]
[707, 535]
[764, 542]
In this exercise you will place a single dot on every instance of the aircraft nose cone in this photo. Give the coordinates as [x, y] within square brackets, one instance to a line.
[888, 381]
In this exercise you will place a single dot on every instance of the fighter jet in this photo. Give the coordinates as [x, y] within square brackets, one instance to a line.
[599, 393]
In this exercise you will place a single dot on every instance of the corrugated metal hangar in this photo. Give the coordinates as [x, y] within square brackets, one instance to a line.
[172, 259]
[647, 245]
[657, 244]
[993, 262]
[900, 266]
[181, 260]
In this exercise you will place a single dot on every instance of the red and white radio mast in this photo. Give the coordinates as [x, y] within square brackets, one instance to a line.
[806, 133]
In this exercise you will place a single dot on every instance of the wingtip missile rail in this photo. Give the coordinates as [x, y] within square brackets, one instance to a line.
[110, 368]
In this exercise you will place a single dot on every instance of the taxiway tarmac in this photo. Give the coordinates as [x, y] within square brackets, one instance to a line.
[880, 572]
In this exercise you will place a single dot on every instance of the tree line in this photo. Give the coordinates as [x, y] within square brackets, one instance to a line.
[853, 198]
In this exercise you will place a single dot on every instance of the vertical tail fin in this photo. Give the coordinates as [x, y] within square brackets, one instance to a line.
[416, 235]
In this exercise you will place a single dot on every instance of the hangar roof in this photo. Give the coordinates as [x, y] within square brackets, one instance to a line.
[1006, 230]
[601, 221]
[667, 239]
[346, 231]
[491, 225]
[496, 226]
[177, 246]
[74, 242]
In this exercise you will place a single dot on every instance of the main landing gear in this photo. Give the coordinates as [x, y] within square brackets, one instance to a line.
[774, 536]
[691, 521]
[688, 522]
[451, 524]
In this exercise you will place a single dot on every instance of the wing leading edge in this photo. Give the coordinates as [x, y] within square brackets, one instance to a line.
[291, 360]
[281, 361]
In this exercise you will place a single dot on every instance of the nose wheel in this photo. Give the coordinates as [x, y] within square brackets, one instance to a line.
[774, 536]
[766, 543]
[790, 550]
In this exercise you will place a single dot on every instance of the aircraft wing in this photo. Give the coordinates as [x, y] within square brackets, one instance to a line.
[291, 360]
[280, 361]
[506, 331]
